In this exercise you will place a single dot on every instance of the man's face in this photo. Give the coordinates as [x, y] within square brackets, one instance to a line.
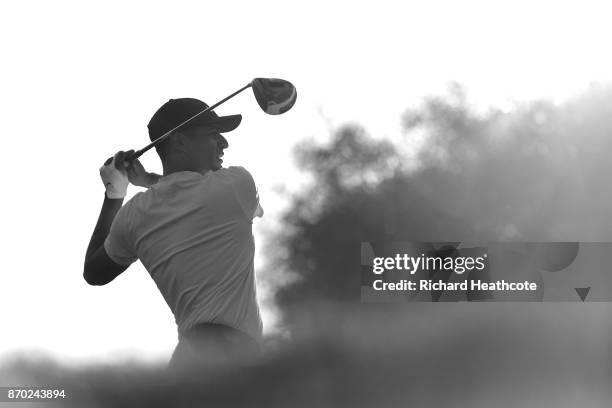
[206, 146]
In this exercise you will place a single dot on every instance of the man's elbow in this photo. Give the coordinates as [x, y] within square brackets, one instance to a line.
[93, 277]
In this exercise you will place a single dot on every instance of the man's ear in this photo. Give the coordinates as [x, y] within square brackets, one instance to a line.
[181, 142]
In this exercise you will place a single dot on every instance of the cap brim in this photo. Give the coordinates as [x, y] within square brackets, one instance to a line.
[223, 124]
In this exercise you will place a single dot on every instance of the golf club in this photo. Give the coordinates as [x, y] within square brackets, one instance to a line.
[274, 96]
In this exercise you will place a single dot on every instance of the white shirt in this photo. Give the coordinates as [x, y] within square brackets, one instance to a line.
[192, 232]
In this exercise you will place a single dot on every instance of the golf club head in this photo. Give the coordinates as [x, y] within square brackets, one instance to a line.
[274, 96]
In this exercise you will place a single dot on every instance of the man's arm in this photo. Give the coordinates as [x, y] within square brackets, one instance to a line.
[246, 192]
[99, 268]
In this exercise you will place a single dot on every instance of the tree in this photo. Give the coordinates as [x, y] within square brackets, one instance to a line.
[536, 173]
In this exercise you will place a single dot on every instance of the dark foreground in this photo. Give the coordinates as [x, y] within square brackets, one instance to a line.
[422, 355]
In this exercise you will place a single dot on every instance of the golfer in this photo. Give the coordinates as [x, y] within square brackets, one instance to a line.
[191, 229]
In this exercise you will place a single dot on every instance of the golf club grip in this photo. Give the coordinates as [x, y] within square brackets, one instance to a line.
[135, 155]
[130, 158]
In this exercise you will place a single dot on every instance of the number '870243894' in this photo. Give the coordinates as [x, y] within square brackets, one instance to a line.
[31, 393]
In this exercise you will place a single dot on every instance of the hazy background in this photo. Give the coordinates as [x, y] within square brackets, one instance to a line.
[459, 121]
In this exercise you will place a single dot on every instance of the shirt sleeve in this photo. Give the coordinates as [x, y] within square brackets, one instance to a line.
[246, 192]
[119, 244]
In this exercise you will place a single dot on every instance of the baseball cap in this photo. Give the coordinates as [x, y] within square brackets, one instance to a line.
[176, 111]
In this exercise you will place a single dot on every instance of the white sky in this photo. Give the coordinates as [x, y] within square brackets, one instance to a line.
[79, 81]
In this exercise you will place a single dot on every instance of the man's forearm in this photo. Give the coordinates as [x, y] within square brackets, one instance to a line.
[144, 179]
[109, 210]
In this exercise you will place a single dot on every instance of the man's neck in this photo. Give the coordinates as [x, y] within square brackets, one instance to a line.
[170, 168]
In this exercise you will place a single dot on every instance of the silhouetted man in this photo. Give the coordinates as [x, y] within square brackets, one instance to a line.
[191, 229]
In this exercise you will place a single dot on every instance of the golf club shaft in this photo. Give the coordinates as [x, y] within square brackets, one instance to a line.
[163, 137]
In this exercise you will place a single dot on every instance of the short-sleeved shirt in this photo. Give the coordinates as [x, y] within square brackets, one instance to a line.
[193, 234]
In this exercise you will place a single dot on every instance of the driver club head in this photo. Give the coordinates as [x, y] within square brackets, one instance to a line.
[274, 96]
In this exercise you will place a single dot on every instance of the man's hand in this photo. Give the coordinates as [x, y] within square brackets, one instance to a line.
[133, 170]
[137, 174]
[114, 176]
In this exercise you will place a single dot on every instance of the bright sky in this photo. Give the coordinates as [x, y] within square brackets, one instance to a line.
[80, 80]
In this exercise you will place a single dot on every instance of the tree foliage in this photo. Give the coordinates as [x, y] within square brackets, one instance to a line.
[536, 173]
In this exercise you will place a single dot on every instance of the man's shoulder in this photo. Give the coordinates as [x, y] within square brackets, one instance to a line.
[135, 202]
[234, 170]
[237, 173]
[133, 212]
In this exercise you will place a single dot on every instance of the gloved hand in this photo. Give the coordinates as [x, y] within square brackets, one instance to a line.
[114, 176]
